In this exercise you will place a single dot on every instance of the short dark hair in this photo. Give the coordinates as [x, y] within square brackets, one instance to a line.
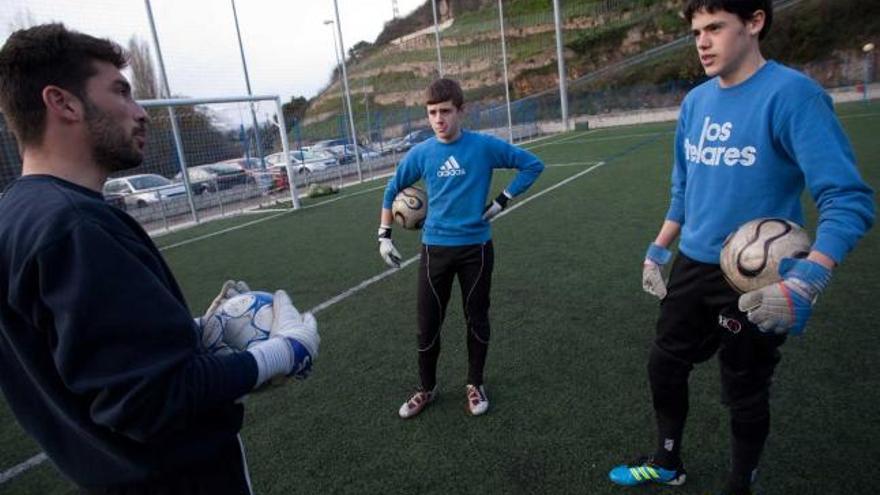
[444, 89]
[744, 9]
[48, 54]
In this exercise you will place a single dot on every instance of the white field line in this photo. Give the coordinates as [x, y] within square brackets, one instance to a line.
[570, 164]
[387, 273]
[264, 219]
[24, 466]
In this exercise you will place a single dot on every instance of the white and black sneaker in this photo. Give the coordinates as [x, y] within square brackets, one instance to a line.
[477, 400]
[419, 400]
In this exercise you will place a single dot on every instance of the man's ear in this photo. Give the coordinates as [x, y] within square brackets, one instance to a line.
[62, 104]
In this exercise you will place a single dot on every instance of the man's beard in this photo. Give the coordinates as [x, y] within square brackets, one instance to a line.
[112, 149]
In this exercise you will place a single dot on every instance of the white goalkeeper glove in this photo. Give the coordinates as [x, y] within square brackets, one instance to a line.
[785, 307]
[293, 342]
[212, 335]
[652, 274]
[387, 250]
[496, 206]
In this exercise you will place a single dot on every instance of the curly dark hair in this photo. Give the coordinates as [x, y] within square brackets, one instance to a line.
[48, 54]
[744, 9]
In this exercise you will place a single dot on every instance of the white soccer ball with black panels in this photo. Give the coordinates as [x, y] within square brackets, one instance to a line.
[243, 319]
[751, 255]
[410, 207]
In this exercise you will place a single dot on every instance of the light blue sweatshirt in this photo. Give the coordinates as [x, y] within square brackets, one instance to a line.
[457, 177]
[748, 151]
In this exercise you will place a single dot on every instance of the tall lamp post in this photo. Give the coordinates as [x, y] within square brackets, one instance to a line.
[506, 82]
[869, 51]
[437, 39]
[247, 82]
[331, 23]
[354, 140]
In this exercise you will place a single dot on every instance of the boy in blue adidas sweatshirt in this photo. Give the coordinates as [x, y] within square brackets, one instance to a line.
[456, 166]
[748, 142]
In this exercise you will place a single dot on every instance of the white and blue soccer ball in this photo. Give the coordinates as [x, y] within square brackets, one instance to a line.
[751, 255]
[242, 320]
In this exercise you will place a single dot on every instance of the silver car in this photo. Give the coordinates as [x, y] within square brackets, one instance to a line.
[304, 161]
[143, 190]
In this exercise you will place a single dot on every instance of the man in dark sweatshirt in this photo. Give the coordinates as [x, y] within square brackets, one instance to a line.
[100, 359]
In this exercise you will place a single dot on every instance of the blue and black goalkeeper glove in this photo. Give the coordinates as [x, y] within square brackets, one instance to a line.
[785, 307]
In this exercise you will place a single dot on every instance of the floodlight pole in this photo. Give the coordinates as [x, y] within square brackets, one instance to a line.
[506, 83]
[178, 142]
[338, 63]
[367, 110]
[247, 82]
[560, 62]
[869, 50]
[437, 40]
[354, 143]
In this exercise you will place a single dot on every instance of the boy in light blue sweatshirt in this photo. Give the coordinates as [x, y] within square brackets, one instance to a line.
[748, 142]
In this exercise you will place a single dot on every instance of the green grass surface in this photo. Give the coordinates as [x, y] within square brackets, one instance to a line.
[566, 372]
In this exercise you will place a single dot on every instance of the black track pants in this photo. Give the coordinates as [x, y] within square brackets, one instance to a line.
[698, 318]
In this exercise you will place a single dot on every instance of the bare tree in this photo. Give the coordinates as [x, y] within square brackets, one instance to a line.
[142, 71]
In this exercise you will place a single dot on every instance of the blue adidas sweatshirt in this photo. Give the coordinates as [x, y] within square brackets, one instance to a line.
[457, 177]
[748, 151]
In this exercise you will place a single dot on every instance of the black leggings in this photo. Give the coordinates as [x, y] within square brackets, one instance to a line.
[437, 267]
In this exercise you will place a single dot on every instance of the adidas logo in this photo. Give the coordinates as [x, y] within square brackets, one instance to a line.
[450, 168]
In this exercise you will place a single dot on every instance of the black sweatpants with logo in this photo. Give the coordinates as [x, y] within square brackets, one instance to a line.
[698, 318]
[472, 264]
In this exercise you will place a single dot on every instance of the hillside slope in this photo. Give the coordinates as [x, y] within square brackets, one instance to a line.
[386, 78]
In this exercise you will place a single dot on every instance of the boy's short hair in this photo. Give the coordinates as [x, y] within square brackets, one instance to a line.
[44, 55]
[444, 90]
[744, 9]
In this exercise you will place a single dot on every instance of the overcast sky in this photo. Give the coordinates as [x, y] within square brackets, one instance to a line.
[288, 48]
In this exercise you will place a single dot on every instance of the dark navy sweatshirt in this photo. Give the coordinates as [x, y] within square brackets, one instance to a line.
[99, 355]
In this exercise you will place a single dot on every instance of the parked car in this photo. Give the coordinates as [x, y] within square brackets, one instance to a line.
[116, 199]
[215, 177]
[304, 161]
[328, 143]
[258, 170]
[412, 139]
[142, 190]
[345, 153]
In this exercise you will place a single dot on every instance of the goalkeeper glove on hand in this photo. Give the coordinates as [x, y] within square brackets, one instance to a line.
[293, 342]
[387, 250]
[212, 335]
[496, 206]
[785, 307]
[652, 276]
